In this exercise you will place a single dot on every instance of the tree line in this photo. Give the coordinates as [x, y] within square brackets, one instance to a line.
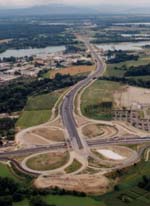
[13, 96]
[13, 192]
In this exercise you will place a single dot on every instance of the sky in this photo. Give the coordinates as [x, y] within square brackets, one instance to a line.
[28, 3]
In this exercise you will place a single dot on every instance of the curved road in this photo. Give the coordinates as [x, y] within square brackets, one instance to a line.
[67, 108]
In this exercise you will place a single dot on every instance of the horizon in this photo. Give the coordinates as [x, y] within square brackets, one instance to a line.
[13, 4]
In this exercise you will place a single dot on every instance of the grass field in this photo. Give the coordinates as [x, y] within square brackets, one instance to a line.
[100, 92]
[66, 200]
[32, 118]
[111, 71]
[48, 161]
[76, 165]
[6, 172]
[74, 70]
[38, 109]
[73, 201]
[140, 61]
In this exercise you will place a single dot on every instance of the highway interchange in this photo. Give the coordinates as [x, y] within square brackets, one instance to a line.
[75, 141]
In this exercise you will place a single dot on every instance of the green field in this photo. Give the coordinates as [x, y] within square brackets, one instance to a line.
[93, 98]
[47, 75]
[32, 118]
[144, 78]
[128, 194]
[5, 171]
[38, 109]
[111, 71]
[140, 61]
[73, 201]
[76, 165]
[66, 200]
[47, 161]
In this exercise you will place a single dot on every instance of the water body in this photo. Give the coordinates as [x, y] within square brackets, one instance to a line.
[130, 46]
[30, 52]
[136, 23]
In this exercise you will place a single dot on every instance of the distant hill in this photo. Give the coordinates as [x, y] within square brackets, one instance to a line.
[63, 9]
[51, 9]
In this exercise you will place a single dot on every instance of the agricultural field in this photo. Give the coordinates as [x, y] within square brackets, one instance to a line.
[38, 109]
[97, 100]
[74, 70]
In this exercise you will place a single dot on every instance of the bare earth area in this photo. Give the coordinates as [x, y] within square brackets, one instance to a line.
[128, 96]
[2, 41]
[42, 135]
[98, 130]
[53, 134]
[91, 184]
[73, 70]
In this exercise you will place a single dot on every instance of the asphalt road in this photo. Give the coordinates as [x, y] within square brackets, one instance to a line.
[90, 143]
[67, 107]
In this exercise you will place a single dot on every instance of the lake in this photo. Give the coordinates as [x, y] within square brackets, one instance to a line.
[31, 52]
[130, 46]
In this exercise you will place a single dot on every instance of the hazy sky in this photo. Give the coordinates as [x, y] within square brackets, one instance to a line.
[25, 3]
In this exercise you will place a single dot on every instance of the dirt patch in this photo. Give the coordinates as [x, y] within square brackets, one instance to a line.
[124, 152]
[48, 161]
[131, 96]
[56, 123]
[72, 70]
[31, 139]
[2, 41]
[90, 184]
[52, 134]
[98, 130]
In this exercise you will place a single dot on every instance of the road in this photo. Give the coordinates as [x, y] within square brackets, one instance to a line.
[32, 150]
[90, 143]
[67, 107]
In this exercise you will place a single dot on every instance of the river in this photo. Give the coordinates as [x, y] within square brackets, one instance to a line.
[130, 46]
[31, 52]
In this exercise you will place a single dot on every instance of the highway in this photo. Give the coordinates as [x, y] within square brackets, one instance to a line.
[32, 150]
[62, 146]
[118, 141]
[67, 107]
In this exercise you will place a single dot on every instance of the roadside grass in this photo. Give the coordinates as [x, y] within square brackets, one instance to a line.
[42, 102]
[48, 161]
[76, 165]
[97, 100]
[111, 71]
[33, 118]
[38, 109]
